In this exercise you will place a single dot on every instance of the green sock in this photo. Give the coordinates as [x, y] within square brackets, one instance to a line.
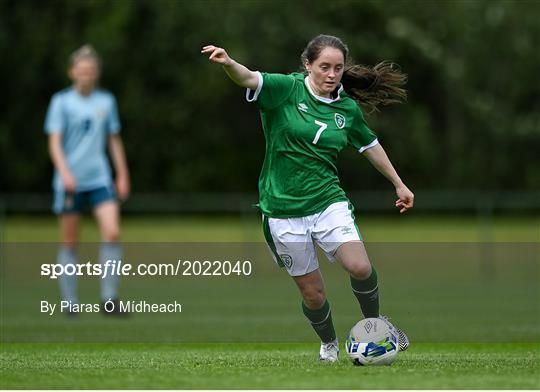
[367, 293]
[321, 321]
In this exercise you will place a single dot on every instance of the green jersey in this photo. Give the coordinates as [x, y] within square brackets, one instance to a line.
[304, 134]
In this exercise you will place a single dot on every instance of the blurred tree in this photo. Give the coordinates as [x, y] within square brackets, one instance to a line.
[472, 120]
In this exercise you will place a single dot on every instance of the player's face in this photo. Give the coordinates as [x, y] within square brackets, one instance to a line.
[85, 73]
[326, 71]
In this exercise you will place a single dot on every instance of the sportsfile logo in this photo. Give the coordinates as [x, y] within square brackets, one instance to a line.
[180, 268]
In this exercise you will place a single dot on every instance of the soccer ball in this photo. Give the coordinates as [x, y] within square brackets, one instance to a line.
[372, 341]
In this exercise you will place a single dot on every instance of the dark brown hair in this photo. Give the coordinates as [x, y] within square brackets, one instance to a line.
[370, 86]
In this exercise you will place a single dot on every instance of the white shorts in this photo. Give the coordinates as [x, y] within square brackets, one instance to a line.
[292, 240]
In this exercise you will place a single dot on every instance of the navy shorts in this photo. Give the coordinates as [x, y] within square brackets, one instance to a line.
[74, 202]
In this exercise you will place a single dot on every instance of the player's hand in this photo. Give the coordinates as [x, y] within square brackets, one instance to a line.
[405, 199]
[70, 184]
[122, 188]
[217, 55]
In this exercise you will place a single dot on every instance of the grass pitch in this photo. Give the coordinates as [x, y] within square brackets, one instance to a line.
[179, 228]
[262, 366]
[486, 299]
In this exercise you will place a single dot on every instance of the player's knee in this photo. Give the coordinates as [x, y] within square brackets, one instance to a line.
[111, 235]
[314, 299]
[361, 271]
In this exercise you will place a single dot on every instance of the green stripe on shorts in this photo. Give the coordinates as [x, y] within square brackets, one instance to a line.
[270, 240]
[358, 231]
[351, 208]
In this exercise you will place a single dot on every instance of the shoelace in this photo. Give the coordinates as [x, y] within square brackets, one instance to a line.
[329, 347]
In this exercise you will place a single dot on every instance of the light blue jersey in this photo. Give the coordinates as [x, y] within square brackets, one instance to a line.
[85, 123]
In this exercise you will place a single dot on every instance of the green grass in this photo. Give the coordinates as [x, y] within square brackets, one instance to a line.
[264, 366]
[399, 228]
[446, 288]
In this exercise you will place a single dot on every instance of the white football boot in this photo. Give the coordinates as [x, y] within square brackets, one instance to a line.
[329, 351]
[402, 338]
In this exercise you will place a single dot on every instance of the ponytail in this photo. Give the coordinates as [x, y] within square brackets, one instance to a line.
[373, 87]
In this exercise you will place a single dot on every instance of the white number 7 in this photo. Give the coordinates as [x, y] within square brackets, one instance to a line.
[322, 126]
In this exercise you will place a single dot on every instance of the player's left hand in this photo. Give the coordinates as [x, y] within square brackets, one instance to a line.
[217, 55]
[405, 199]
[122, 188]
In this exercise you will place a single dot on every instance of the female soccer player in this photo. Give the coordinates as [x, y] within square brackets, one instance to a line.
[81, 121]
[308, 118]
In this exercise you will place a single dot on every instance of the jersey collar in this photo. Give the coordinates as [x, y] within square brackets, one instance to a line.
[323, 99]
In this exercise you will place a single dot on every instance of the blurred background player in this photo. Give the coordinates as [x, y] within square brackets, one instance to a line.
[308, 118]
[82, 120]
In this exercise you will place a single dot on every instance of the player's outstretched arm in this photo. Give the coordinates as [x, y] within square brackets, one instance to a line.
[378, 158]
[238, 73]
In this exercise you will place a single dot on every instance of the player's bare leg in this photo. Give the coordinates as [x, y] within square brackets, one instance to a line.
[70, 229]
[108, 219]
[311, 287]
[354, 259]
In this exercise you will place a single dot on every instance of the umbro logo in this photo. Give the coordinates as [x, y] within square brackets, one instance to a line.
[368, 326]
[346, 230]
[303, 107]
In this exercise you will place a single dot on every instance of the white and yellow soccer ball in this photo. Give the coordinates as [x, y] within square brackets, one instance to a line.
[372, 341]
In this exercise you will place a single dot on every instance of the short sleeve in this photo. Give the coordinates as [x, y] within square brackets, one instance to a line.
[54, 121]
[113, 121]
[272, 90]
[360, 135]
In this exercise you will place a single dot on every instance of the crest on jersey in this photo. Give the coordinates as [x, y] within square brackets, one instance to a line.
[340, 120]
[287, 260]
